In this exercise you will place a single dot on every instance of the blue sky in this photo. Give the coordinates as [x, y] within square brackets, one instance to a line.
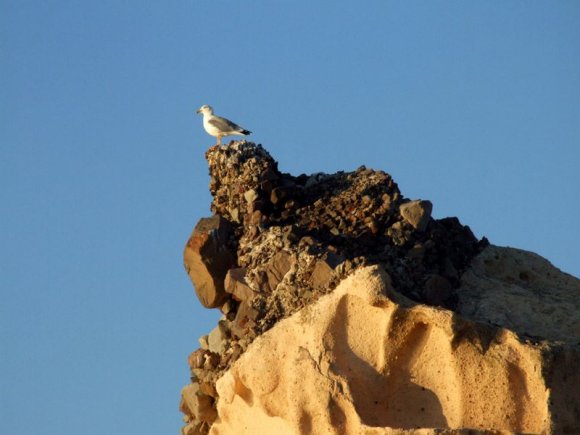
[473, 105]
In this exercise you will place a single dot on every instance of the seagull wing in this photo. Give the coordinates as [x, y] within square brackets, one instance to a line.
[224, 125]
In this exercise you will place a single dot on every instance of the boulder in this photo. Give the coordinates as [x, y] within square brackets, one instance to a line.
[207, 258]
[417, 213]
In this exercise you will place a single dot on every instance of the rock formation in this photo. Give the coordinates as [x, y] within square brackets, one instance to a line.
[348, 309]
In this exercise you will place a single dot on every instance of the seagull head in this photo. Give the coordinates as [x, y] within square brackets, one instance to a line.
[205, 109]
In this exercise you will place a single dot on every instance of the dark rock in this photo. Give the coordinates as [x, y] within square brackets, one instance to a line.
[212, 360]
[437, 290]
[207, 258]
[417, 213]
[397, 234]
[280, 194]
[292, 233]
[245, 319]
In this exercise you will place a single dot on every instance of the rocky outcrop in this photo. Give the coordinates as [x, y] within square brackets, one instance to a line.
[356, 361]
[348, 309]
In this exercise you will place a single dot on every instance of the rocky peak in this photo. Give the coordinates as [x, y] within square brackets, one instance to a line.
[277, 242]
[374, 317]
[324, 225]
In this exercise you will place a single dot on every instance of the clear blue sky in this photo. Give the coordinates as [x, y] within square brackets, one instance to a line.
[474, 105]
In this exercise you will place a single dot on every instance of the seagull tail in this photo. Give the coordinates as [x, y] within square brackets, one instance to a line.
[245, 132]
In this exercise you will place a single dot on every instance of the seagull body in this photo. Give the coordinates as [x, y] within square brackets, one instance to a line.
[219, 127]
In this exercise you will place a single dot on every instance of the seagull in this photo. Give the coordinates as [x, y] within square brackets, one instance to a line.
[218, 126]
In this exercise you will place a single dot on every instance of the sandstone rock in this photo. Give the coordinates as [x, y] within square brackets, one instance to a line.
[207, 257]
[417, 213]
[358, 362]
[521, 291]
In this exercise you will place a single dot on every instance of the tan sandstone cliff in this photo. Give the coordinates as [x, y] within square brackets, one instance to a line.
[349, 310]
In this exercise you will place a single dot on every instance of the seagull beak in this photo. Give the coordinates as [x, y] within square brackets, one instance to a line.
[198, 111]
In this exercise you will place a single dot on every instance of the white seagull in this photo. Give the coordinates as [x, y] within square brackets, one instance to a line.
[218, 126]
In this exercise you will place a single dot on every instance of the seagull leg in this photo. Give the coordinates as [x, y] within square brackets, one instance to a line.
[219, 138]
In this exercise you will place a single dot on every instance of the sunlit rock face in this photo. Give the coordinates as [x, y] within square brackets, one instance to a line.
[348, 309]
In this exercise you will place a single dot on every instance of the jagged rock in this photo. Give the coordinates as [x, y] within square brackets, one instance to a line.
[207, 258]
[397, 234]
[235, 169]
[197, 404]
[228, 308]
[203, 342]
[217, 339]
[197, 359]
[235, 284]
[213, 359]
[417, 213]
[245, 319]
[323, 271]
